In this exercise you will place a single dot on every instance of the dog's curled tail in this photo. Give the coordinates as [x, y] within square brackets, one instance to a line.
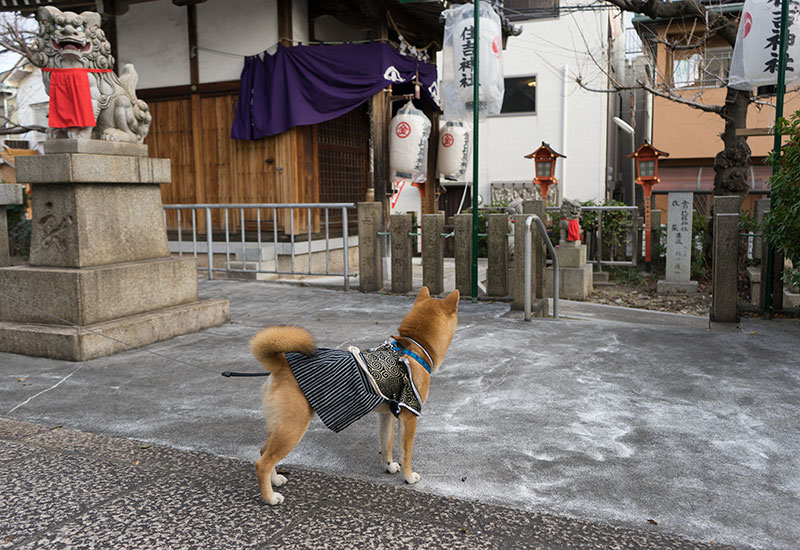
[270, 341]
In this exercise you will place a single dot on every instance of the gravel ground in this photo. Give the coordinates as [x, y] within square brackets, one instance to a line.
[645, 297]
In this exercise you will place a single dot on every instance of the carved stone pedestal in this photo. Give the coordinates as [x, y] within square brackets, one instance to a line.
[575, 281]
[101, 278]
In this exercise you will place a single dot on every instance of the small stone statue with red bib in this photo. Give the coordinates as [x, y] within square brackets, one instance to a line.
[570, 221]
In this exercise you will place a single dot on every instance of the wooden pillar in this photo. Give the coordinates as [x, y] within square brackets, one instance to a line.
[401, 226]
[429, 205]
[381, 110]
[196, 113]
[285, 22]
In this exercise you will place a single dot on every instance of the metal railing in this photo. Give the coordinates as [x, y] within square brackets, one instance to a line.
[556, 275]
[598, 252]
[256, 245]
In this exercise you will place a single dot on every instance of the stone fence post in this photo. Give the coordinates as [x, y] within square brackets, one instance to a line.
[463, 253]
[370, 260]
[401, 225]
[725, 268]
[10, 194]
[537, 255]
[497, 245]
[433, 252]
[777, 267]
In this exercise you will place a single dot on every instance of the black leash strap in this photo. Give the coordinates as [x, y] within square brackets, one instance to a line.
[229, 374]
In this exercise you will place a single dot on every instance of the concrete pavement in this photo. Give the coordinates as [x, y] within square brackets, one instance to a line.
[651, 422]
[69, 489]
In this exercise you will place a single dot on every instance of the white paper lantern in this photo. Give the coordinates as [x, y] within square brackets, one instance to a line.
[409, 131]
[453, 150]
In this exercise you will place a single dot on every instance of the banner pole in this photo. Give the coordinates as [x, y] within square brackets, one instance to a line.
[776, 158]
[475, 120]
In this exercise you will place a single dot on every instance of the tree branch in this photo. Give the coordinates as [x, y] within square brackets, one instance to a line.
[725, 27]
[666, 94]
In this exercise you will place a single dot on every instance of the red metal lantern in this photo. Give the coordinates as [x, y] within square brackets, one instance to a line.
[647, 176]
[544, 159]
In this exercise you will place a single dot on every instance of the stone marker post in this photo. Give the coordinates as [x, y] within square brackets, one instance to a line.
[401, 225]
[370, 261]
[497, 245]
[10, 194]
[433, 252]
[679, 246]
[725, 269]
[463, 253]
[101, 278]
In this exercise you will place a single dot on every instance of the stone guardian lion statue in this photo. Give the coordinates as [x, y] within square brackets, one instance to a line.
[72, 49]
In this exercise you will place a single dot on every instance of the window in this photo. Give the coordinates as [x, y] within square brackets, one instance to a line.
[647, 168]
[520, 95]
[708, 69]
[518, 10]
[544, 169]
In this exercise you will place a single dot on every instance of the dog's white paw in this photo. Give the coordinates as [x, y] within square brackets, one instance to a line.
[278, 480]
[277, 498]
[413, 478]
[392, 467]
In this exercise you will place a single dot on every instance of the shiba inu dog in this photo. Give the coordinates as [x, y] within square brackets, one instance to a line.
[340, 386]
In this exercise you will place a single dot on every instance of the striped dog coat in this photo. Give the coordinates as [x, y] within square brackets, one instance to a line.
[342, 386]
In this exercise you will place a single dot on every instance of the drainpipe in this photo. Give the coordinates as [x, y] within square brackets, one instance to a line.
[562, 176]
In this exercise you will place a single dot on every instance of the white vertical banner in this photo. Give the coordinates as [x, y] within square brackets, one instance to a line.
[755, 57]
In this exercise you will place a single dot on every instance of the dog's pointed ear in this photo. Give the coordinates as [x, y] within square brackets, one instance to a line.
[423, 294]
[452, 300]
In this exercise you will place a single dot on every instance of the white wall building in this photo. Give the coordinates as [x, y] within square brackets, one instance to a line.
[542, 67]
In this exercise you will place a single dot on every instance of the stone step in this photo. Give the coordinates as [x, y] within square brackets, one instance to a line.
[88, 342]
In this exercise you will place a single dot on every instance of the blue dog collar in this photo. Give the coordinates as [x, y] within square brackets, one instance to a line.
[398, 348]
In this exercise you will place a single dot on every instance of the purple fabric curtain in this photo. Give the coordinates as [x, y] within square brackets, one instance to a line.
[311, 84]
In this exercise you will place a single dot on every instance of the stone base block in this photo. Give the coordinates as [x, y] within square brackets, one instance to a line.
[570, 255]
[575, 283]
[101, 339]
[11, 193]
[791, 300]
[95, 294]
[96, 224]
[540, 307]
[754, 274]
[676, 287]
[600, 277]
[94, 147]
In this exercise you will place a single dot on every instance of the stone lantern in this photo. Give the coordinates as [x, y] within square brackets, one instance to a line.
[647, 176]
[544, 159]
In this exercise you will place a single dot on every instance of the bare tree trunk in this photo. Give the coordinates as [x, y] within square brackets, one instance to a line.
[732, 164]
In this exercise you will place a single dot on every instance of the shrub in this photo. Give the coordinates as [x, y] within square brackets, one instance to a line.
[782, 223]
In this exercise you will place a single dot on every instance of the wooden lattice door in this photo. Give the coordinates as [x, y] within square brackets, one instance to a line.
[343, 145]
